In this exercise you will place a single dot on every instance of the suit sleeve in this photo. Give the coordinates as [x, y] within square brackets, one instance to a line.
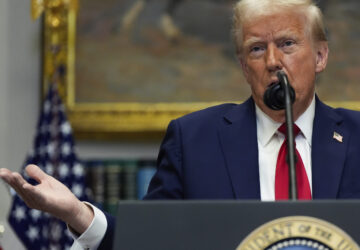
[108, 240]
[167, 182]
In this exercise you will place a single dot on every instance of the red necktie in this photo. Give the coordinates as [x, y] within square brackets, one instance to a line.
[282, 172]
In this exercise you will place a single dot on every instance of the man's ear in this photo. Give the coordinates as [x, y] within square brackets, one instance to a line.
[322, 51]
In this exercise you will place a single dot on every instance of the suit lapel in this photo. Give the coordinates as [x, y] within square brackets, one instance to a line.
[239, 144]
[328, 154]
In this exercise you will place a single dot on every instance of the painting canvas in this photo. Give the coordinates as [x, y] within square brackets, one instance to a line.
[139, 62]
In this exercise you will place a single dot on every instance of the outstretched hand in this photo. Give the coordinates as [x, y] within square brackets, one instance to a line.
[50, 196]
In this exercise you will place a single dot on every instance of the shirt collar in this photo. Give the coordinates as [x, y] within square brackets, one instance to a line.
[267, 127]
[306, 120]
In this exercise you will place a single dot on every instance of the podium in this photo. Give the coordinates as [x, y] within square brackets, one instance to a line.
[220, 225]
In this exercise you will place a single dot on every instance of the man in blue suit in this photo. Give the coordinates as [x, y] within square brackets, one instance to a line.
[226, 166]
[231, 151]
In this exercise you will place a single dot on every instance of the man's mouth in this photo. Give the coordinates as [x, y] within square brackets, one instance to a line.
[273, 83]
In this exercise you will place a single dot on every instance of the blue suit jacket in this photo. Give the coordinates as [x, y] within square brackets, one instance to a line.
[213, 154]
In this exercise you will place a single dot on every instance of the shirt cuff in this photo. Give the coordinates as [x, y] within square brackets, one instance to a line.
[93, 235]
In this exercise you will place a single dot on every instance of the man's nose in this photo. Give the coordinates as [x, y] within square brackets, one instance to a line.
[273, 58]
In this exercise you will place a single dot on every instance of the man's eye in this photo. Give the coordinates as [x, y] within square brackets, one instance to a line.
[256, 49]
[288, 43]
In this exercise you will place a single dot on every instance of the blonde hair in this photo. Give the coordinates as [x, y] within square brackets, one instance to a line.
[247, 10]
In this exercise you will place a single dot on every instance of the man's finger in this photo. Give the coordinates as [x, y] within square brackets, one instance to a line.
[18, 179]
[12, 178]
[26, 191]
[17, 182]
[5, 174]
[36, 173]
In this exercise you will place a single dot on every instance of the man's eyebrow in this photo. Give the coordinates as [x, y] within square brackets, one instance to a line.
[283, 34]
[251, 40]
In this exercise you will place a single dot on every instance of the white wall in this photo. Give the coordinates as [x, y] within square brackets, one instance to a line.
[3, 100]
[19, 92]
[3, 103]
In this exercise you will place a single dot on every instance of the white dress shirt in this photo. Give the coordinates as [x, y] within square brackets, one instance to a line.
[91, 238]
[269, 143]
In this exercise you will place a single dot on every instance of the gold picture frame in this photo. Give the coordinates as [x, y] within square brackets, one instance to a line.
[93, 119]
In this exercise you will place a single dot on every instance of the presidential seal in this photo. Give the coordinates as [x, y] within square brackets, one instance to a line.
[298, 233]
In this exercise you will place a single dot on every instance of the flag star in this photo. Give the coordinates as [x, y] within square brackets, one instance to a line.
[50, 149]
[35, 214]
[19, 213]
[47, 107]
[54, 247]
[56, 232]
[66, 149]
[63, 170]
[32, 233]
[77, 190]
[78, 170]
[49, 169]
[66, 128]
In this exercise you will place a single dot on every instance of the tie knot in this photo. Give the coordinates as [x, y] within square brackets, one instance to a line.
[282, 129]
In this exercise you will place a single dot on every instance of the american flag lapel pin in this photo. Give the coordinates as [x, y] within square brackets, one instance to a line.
[338, 137]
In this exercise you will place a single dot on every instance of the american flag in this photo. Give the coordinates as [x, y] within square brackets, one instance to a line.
[53, 151]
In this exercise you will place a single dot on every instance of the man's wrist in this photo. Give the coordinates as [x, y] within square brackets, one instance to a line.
[82, 219]
[92, 237]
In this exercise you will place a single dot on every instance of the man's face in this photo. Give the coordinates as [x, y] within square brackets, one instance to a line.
[281, 42]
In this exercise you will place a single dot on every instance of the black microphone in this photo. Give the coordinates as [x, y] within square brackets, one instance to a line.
[274, 96]
[281, 96]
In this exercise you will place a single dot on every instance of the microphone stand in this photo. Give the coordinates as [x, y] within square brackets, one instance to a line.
[290, 135]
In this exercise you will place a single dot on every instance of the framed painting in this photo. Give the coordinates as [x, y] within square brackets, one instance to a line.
[130, 66]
